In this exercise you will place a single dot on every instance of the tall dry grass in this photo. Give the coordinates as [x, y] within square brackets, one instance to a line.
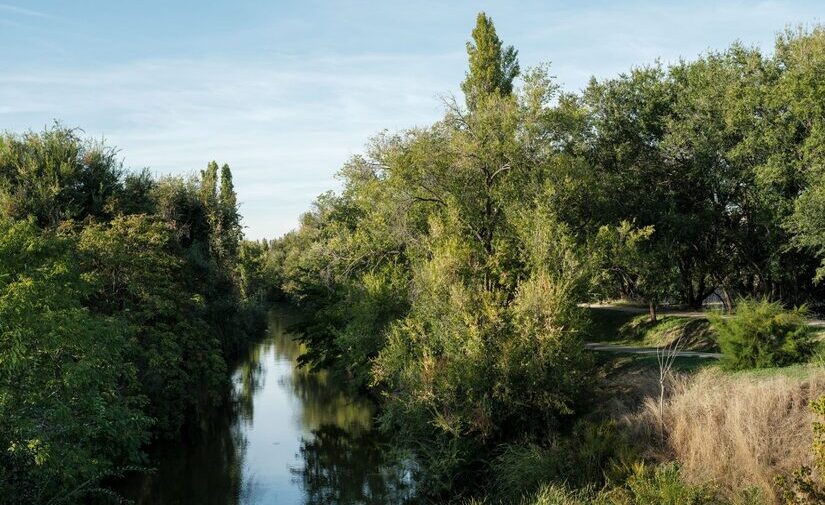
[733, 431]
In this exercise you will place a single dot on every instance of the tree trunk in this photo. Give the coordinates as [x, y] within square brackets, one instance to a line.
[652, 307]
[727, 302]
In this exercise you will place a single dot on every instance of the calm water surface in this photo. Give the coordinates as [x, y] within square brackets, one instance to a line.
[292, 437]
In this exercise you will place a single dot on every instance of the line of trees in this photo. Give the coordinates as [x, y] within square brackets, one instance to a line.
[121, 301]
[445, 276]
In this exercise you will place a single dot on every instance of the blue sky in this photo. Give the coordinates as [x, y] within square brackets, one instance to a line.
[285, 92]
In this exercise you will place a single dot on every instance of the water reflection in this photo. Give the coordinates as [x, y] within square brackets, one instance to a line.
[341, 467]
[206, 469]
[290, 437]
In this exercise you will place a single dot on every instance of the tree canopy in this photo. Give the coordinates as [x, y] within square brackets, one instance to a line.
[119, 308]
[446, 275]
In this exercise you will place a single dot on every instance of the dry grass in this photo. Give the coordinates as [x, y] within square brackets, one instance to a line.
[733, 431]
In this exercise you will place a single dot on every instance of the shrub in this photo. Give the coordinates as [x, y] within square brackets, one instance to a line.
[801, 488]
[591, 454]
[469, 368]
[763, 334]
[70, 409]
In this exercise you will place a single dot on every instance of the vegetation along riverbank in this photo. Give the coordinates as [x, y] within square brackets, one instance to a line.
[454, 278]
[449, 273]
[122, 298]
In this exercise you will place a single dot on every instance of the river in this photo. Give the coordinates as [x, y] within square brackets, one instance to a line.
[289, 437]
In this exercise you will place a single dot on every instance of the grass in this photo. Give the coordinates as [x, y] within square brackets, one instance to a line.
[624, 328]
[799, 371]
[732, 428]
[614, 363]
[692, 333]
[646, 485]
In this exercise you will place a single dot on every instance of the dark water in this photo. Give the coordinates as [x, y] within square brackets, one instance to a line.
[292, 437]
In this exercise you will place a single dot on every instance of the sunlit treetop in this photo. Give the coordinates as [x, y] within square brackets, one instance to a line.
[492, 67]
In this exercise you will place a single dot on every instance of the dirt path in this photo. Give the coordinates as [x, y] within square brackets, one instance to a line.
[626, 349]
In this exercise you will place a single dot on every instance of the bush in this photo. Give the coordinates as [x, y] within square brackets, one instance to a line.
[801, 488]
[592, 454]
[70, 409]
[469, 369]
[763, 334]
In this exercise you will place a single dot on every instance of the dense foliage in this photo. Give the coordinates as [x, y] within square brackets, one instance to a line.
[763, 334]
[445, 276]
[120, 302]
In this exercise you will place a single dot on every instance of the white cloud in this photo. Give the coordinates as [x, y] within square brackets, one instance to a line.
[285, 126]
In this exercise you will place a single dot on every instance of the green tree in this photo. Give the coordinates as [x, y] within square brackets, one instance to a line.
[55, 175]
[118, 306]
[209, 185]
[135, 274]
[446, 273]
[230, 219]
[492, 67]
[628, 266]
[808, 223]
[798, 95]
[70, 407]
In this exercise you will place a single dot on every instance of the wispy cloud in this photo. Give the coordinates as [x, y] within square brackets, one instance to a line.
[23, 11]
[284, 127]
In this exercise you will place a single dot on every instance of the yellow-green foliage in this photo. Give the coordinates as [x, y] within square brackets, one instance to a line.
[763, 334]
[467, 364]
[805, 487]
[482, 233]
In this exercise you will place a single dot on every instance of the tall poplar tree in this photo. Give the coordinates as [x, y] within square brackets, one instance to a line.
[492, 67]
[230, 219]
[209, 184]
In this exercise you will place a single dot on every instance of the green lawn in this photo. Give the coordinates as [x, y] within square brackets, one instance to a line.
[618, 364]
[620, 327]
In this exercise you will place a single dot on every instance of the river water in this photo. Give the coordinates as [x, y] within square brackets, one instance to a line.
[290, 437]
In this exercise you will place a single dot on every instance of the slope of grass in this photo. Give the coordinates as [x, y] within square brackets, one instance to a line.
[620, 327]
[691, 333]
